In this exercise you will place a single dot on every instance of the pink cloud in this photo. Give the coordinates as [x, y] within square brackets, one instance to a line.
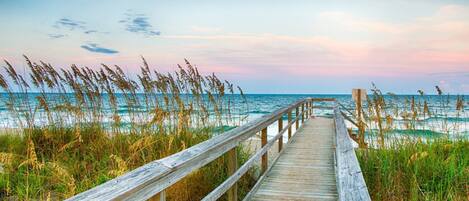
[435, 43]
[347, 46]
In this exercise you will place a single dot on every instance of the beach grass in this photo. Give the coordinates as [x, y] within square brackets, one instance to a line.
[77, 127]
[414, 160]
[97, 159]
[437, 169]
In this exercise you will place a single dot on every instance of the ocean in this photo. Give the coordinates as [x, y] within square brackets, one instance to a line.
[444, 118]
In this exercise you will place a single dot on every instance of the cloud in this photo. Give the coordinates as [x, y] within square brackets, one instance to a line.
[436, 43]
[92, 47]
[277, 54]
[93, 31]
[138, 23]
[66, 23]
[55, 36]
[90, 31]
[451, 74]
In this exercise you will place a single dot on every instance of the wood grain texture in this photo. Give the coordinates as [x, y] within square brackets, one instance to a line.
[322, 99]
[265, 158]
[148, 180]
[305, 169]
[232, 157]
[297, 122]
[222, 188]
[280, 128]
[350, 182]
[289, 128]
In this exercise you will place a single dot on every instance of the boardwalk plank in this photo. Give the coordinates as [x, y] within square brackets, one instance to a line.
[305, 171]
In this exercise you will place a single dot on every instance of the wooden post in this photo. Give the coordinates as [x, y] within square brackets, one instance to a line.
[358, 95]
[302, 113]
[232, 163]
[360, 122]
[306, 109]
[311, 108]
[297, 119]
[280, 140]
[161, 196]
[264, 157]
[289, 127]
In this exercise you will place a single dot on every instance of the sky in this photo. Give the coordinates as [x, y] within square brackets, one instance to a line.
[263, 46]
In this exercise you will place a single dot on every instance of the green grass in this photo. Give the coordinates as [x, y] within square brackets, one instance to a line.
[98, 158]
[73, 150]
[410, 162]
[413, 170]
[414, 160]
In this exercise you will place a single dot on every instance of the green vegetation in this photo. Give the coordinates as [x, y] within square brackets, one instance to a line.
[75, 133]
[77, 128]
[414, 170]
[408, 161]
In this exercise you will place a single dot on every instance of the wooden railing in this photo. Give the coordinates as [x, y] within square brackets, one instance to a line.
[151, 180]
[350, 182]
[279, 136]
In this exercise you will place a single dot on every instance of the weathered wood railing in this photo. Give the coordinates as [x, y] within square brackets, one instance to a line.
[279, 136]
[351, 185]
[151, 180]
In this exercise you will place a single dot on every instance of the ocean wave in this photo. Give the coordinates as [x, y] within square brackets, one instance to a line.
[259, 112]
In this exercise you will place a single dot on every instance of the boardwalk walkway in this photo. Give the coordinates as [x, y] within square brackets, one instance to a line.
[305, 170]
[317, 163]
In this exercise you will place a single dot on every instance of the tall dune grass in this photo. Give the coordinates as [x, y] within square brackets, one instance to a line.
[71, 133]
[414, 170]
[413, 159]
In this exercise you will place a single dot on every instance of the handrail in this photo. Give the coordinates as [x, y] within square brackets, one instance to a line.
[263, 176]
[323, 99]
[350, 182]
[153, 178]
[220, 190]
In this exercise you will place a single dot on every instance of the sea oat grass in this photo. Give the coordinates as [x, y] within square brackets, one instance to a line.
[415, 160]
[83, 127]
[94, 162]
[413, 170]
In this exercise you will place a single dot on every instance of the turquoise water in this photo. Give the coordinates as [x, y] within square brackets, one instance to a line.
[445, 118]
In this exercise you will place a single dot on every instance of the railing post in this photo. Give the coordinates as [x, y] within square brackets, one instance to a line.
[361, 128]
[161, 196]
[289, 127]
[232, 163]
[264, 142]
[297, 123]
[302, 113]
[307, 108]
[280, 127]
[311, 108]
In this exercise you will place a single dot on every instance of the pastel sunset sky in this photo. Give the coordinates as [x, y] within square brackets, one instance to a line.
[263, 46]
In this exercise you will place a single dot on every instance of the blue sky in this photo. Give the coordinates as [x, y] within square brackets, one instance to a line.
[263, 46]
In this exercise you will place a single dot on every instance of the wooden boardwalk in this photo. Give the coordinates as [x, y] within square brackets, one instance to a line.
[305, 170]
[317, 163]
